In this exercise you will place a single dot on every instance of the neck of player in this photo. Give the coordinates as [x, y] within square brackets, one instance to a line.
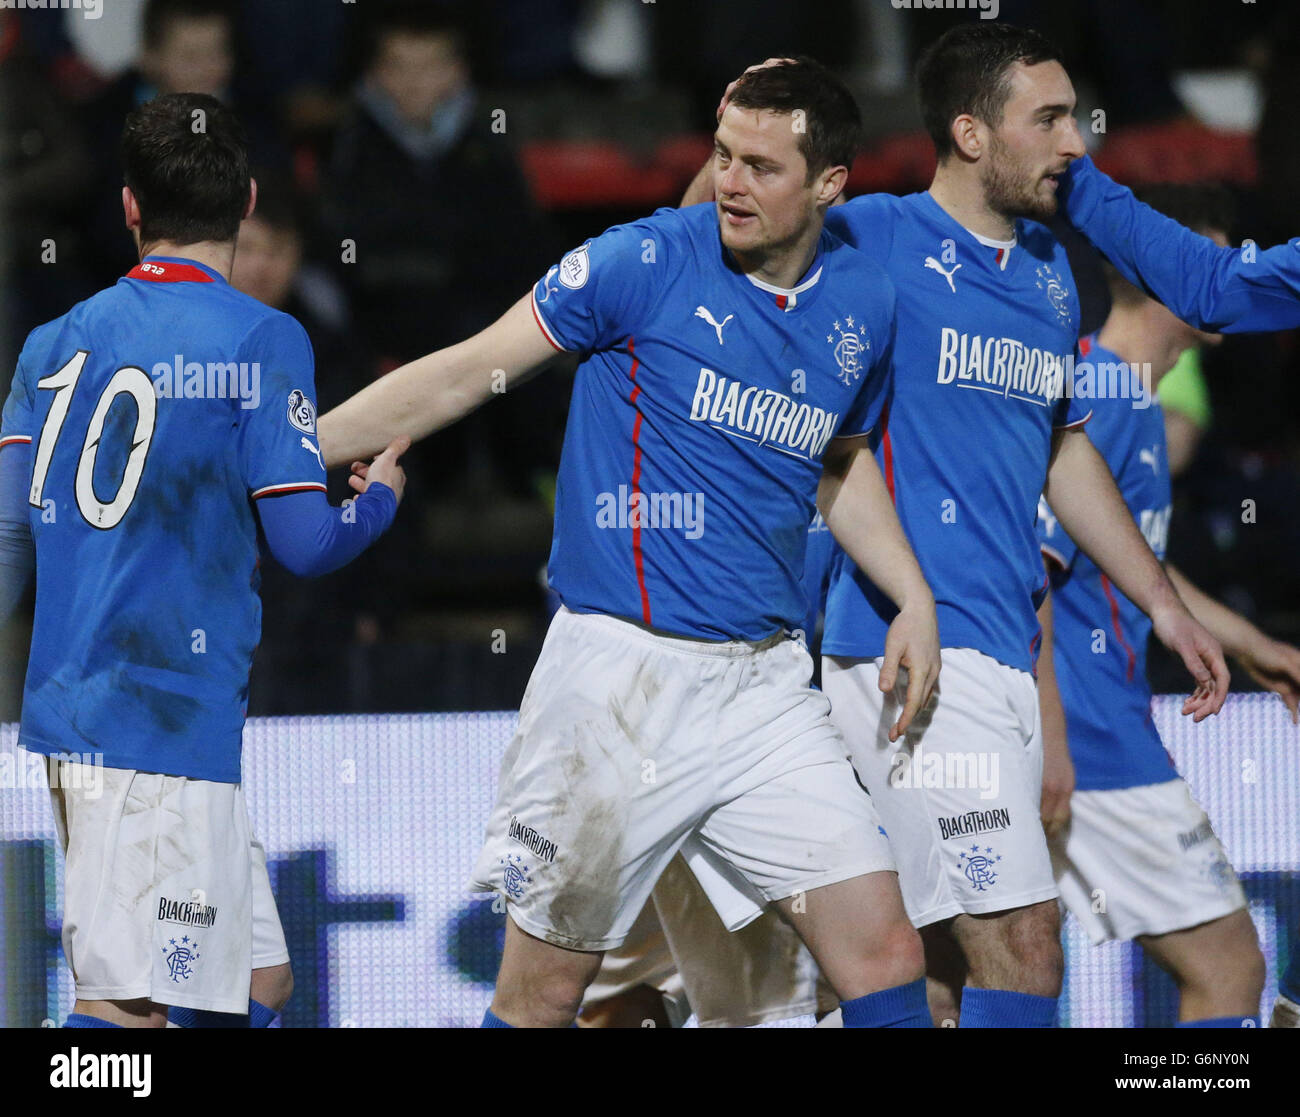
[1136, 336]
[217, 255]
[782, 267]
[960, 194]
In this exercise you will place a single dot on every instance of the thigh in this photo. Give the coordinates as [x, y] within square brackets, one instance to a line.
[959, 794]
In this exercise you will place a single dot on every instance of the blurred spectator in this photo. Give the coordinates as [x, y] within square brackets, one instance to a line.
[424, 184]
[187, 46]
[43, 171]
[424, 181]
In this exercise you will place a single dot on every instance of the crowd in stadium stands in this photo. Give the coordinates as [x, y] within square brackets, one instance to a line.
[400, 210]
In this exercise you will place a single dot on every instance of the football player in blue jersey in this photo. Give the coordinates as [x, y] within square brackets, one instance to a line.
[982, 420]
[148, 433]
[733, 361]
[1131, 829]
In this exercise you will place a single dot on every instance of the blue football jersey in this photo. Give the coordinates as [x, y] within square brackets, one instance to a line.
[986, 337]
[1100, 635]
[701, 411]
[155, 410]
[816, 574]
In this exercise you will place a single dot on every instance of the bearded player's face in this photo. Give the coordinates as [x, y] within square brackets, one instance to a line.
[1033, 145]
[764, 200]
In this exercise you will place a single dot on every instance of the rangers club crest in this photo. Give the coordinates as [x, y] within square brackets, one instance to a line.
[181, 957]
[978, 867]
[514, 876]
[849, 346]
[1057, 295]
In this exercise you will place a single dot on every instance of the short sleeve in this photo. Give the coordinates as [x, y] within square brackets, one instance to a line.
[1053, 541]
[600, 292]
[278, 451]
[16, 423]
[1069, 410]
[877, 390]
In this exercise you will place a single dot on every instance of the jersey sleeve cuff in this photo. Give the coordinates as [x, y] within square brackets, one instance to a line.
[15, 439]
[542, 325]
[1055, 555]
[1074, 425]
[289, 487]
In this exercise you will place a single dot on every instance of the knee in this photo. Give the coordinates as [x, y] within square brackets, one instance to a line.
[1034, 941]
[900, 951]
[541, 1000]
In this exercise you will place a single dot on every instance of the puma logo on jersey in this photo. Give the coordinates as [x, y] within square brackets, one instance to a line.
[703, 312]
[1151, 457]
[934, 265]
[307, 444]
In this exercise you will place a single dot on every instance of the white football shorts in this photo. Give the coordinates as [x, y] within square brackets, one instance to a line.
[632, 745]
[1142, 861]
[166, 894]
[959, 794]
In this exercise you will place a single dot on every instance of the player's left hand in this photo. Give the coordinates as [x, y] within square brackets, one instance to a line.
[912, 642]
[1276, 667]
[1201, 654]
[731, 86]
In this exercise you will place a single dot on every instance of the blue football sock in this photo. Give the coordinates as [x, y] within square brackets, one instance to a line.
[902, 1006]
[1001, 1008]
[491, 1020]
[1289, 986]
[258, 1016]
[1220, 1022]
[81, 1020]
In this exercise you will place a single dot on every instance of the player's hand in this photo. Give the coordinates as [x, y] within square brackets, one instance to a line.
[731, 87]
[1058, 783]
[912, 642]
[1201, 654]
[1276, 667]
[384, 470]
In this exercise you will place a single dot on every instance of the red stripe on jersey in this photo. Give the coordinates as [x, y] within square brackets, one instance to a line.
[887, 446]
[168, 273]
[276, 490]
[637, 556]
[14, 439]
[1085, 346]
[998, 258]
[781, 300]
[1114, 623]
[532, 301]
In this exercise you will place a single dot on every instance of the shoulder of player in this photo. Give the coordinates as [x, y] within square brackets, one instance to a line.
[870, 281]
[260, 322]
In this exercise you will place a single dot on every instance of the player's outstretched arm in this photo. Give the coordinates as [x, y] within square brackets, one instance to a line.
[1058, 768]
[1231, 290]
[17, 550]
[1082, 494]
[434, 391]
[1271, 663]
[855, 504]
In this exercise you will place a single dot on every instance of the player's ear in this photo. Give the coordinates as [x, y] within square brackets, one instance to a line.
[967, 136]
[831, 184]
[252, 199]
[130, 209]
